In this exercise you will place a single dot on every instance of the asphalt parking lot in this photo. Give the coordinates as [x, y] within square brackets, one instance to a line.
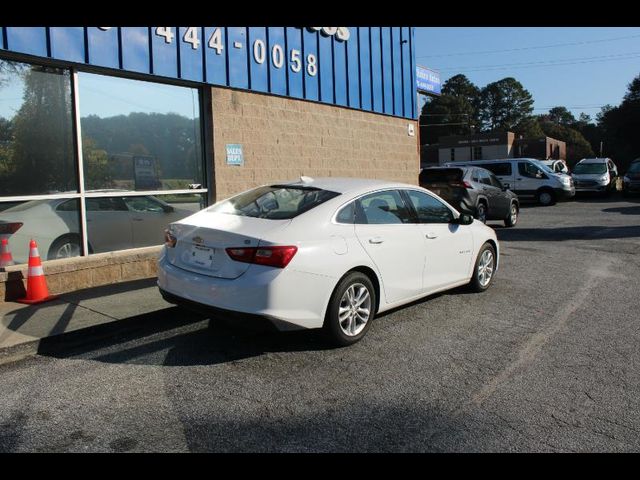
[547, 360]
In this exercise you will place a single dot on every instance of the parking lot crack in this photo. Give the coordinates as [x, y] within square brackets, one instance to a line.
[530, 350]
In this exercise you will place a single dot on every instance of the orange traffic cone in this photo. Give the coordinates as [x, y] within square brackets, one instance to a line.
[37, 290]
[5, 255]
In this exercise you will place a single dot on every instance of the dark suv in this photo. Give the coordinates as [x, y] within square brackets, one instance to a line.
[473, 190]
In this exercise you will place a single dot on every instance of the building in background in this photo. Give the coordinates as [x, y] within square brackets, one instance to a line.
[107, 133]
[487, 146]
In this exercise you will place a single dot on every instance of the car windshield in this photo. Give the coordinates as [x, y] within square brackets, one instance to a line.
[634, 168]
[590, 168]
[276, 202]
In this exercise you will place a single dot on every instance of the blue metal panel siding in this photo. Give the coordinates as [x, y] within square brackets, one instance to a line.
[276, 56]
[364, 42]
[340, 72]
[295, 79]
[373, 70]
[103, 48]
[165, 55]
[406, 72]
[216, 63]
[387, 74]
[67, 43]
[376, 70]
[135, 49]
[353, 69]
[258, 72]
[396, 52]
[311, 82]
[237, 57]
[412, 91]
[325, 55]
[190, 57]
[31, 40]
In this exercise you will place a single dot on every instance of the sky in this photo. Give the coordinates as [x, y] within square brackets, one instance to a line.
[581, 68]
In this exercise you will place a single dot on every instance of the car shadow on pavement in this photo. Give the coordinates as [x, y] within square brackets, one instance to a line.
[567, 233]
[634, 210]
[178, 337]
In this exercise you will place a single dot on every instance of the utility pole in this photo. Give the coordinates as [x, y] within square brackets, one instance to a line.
[601, 143]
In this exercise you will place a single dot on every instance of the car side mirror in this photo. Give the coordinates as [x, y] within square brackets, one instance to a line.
[168, 208]
[463, 219]
[504, 188]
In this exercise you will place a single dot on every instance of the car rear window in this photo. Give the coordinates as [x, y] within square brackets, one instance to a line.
[441, 175]
[276, 202]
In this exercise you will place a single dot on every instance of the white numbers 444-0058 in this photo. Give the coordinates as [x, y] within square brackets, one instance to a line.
[259, 50]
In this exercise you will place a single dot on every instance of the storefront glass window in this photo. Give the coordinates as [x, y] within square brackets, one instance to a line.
[117, 223]
[139, 135]
[54, 224]
[36, 130]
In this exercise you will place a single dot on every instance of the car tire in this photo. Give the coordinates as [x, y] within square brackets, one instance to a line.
[352, 298]
[546, 198]
[484, 269]
[65, 247]
[512, 217]
[481, 212]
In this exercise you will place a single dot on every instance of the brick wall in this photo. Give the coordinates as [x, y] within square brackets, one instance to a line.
[284, 138]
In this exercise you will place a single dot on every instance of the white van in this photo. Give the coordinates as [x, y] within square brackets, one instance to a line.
[528, 178]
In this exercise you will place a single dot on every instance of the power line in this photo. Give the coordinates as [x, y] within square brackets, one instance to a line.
[552, 63]
[529, 48]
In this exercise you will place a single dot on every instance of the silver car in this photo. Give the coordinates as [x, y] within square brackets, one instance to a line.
[595, 175]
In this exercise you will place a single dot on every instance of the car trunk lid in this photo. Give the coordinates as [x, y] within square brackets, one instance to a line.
[203, 238]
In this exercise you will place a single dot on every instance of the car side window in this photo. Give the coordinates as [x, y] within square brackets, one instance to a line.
[143, 204]
[495, 182]
[106, 205]
[386, 207]
[347, 213]
[68, 206]
[429, 209]
[529, 170]
[484, 178]
[475, 176]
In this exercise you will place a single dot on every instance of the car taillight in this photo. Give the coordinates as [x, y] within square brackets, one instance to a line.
[10, 228]
[463, 184]
[278, 256]
[169, 239]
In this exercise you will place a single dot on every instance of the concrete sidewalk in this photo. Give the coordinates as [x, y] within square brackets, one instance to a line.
[23, 328]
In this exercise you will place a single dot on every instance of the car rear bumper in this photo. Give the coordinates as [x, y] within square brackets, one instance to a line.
[290, 299]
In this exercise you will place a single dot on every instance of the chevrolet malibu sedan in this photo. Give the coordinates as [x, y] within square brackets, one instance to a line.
[324, 253]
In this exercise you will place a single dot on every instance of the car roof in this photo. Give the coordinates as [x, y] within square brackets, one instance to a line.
[473, 162]
[345, 184]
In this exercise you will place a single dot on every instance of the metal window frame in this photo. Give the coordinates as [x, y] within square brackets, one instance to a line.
[83, 194]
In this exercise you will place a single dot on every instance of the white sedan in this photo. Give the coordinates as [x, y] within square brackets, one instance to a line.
[113, 223]
[330, 252]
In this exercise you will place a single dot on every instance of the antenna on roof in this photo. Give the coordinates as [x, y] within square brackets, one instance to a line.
[304, 179]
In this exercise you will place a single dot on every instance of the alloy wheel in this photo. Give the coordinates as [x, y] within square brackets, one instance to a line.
[354, 310]
[485, 268]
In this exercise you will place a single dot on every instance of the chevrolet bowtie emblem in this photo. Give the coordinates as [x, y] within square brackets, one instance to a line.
[198, 239]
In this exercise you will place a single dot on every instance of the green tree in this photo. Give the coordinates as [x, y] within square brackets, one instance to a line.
[561, 116]
[577, 146]
[43, 157]
[620, 126]
[455, 112]
[504, 104]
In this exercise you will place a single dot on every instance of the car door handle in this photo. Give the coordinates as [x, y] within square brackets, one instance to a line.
[431, 235]
[137, 219]
[518, 179]
[376, 240]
